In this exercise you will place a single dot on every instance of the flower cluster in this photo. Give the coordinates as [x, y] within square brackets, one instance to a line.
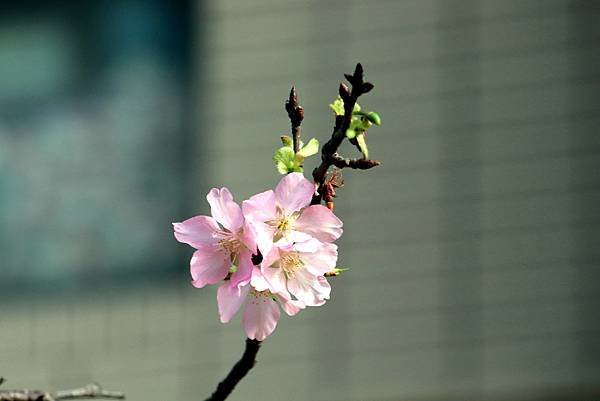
[294, 238]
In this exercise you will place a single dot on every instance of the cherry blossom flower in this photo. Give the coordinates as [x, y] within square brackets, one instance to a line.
[261, 306]
[298, 269]
[284, 216]
[220, 241]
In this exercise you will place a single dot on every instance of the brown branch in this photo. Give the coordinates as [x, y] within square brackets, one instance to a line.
[87, 392]
[238, 371]
[329, 155]
[360, 164]
[296, 115]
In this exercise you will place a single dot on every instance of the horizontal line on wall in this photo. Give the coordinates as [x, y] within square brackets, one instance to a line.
[277, 9]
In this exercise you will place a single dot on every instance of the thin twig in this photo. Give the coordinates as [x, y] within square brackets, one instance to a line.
[329, 155]
[87, 392]
[238, 371]
[90, 391]
[361, 164]
[296, 115]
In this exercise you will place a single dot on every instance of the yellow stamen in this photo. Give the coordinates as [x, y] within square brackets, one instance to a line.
[260, 294]
[283, 224]
[289, 263]
[231, 245]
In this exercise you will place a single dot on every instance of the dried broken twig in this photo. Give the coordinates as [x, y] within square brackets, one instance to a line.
[90, 391]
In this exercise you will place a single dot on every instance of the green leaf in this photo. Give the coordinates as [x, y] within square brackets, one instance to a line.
[282, 168]
[284, 154]
[289, 168]
[285, 160]
[337, 106]
[362, 144]
[311, 148]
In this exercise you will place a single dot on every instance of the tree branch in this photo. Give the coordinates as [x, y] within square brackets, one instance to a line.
[360, 164]
[329, 155]
[87, 392]
[296, 115]
[326, 190]
[238, 371]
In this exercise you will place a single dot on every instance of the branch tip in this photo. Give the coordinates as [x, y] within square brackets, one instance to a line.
[367, 87]
[296, 114]
[358, 71]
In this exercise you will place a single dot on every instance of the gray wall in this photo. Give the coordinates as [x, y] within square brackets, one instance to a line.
[472, 253]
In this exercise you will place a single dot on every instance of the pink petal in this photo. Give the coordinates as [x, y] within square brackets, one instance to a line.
[308, 288]
[209, 266]
[322, 260]
[276, 279]
[260, 317]
[271, 257]
[257, 210]
[244, 269]
[229, 300]
[260, 207]
[292, 237]
[319, 222]
[289, 305]
[224, 209]
[308, 246]
[258, 281]
[294, 192]
[197, 231]
[325, 287]
[248, 237]
[264, 237]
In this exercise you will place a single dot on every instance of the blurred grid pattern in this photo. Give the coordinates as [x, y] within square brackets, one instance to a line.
[91, 131]
[472, 249]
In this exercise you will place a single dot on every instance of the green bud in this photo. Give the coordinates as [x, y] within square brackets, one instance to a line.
[287, 141]
[335, 272]
[374, 118]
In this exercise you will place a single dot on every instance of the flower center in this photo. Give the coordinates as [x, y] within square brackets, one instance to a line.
[283, 224]
[230, 245]
[289, 263]
[260, 294]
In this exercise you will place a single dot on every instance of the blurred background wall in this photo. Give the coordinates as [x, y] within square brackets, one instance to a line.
[472, 250]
